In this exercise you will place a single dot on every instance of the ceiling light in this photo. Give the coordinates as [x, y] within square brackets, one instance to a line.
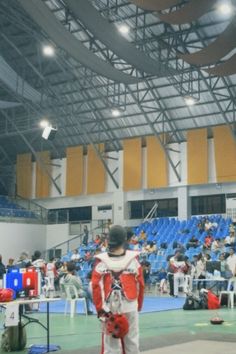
[115, 112]
[44, 123]
[48, 50]
[49, 133]
[225, 8]
[123, 29]
[190, 101]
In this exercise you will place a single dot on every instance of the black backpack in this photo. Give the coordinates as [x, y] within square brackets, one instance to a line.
[14, 338]
[192, 303]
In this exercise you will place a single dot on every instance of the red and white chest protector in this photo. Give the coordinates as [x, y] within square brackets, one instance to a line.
[129, 272]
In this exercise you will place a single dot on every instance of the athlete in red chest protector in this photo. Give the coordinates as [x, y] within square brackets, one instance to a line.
[118, 288]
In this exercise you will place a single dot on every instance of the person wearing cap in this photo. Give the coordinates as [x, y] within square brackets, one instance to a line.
[118, 288]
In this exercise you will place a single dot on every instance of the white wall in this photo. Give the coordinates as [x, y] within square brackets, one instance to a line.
[56, 234]
[15, 238]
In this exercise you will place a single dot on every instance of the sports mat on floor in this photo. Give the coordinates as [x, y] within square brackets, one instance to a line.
[151, 304]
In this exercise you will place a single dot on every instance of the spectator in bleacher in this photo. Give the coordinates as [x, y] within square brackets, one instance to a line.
[207, 242]
[97, 240]
[224, 268]
[75, 256]
[151, 247]
[232, 228]
[103, 246]
[193, 242]
[142, 236]
[231, 261]
[86, 236]
[201, 226]
[230, 240]
[216, 246]
[200, 270]
[72, 279]
[207, 257]
[208, 225]
[2, 270]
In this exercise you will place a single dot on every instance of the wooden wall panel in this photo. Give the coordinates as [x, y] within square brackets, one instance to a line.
[225, 154]
[157, 166]
[74, 170]
[42, 179]
[197, 156]
[96, 174]
[24, 175]
[132, 164]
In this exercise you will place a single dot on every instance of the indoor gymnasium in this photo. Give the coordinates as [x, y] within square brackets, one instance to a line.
[118, 176]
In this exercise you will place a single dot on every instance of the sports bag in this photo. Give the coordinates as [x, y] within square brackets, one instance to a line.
[14, 338]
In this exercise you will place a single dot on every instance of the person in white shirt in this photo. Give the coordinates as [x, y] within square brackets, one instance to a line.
[75, 256]
[231, 261]
[179, 268]
[216, 246]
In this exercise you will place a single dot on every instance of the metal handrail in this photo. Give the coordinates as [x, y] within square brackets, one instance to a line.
[67, 242]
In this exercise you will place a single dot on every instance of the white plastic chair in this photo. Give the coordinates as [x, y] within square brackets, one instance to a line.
[229, 293]
[72, 297]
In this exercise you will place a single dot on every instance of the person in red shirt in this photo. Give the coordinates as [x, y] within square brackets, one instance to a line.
[118, 289]
[207, 242]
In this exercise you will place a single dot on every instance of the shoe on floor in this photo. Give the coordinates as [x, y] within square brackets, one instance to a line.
[90, 313]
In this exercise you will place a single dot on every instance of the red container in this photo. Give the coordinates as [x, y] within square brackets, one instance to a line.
[30, 282]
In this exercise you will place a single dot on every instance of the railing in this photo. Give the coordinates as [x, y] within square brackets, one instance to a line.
[18, 215]
[72, 243]
[38, 211]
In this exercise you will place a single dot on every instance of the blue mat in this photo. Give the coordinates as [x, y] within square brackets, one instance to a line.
[151, 304]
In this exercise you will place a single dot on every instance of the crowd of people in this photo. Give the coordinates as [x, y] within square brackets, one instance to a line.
[179, 270]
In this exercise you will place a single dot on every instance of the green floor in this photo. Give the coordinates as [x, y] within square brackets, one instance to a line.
[165, 327]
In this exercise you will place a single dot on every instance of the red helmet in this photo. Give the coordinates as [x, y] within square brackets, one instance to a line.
[117, 326]
[6, 295]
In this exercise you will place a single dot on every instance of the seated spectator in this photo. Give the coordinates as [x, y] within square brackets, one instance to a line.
[224, 267]
[142, 236]
[97, 240]
[232, 228]
[230, 240]
[231, 261]
[201, 227]
[216, 246]
[103, 246]
[208, 225]
[63, 268]
[151, 248]
[193, 242]
[72, 279]
[225, 273]
[75, 256]
[207, 242]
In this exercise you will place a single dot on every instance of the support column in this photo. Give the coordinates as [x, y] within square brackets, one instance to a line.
[184, 203]
[119, 207]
